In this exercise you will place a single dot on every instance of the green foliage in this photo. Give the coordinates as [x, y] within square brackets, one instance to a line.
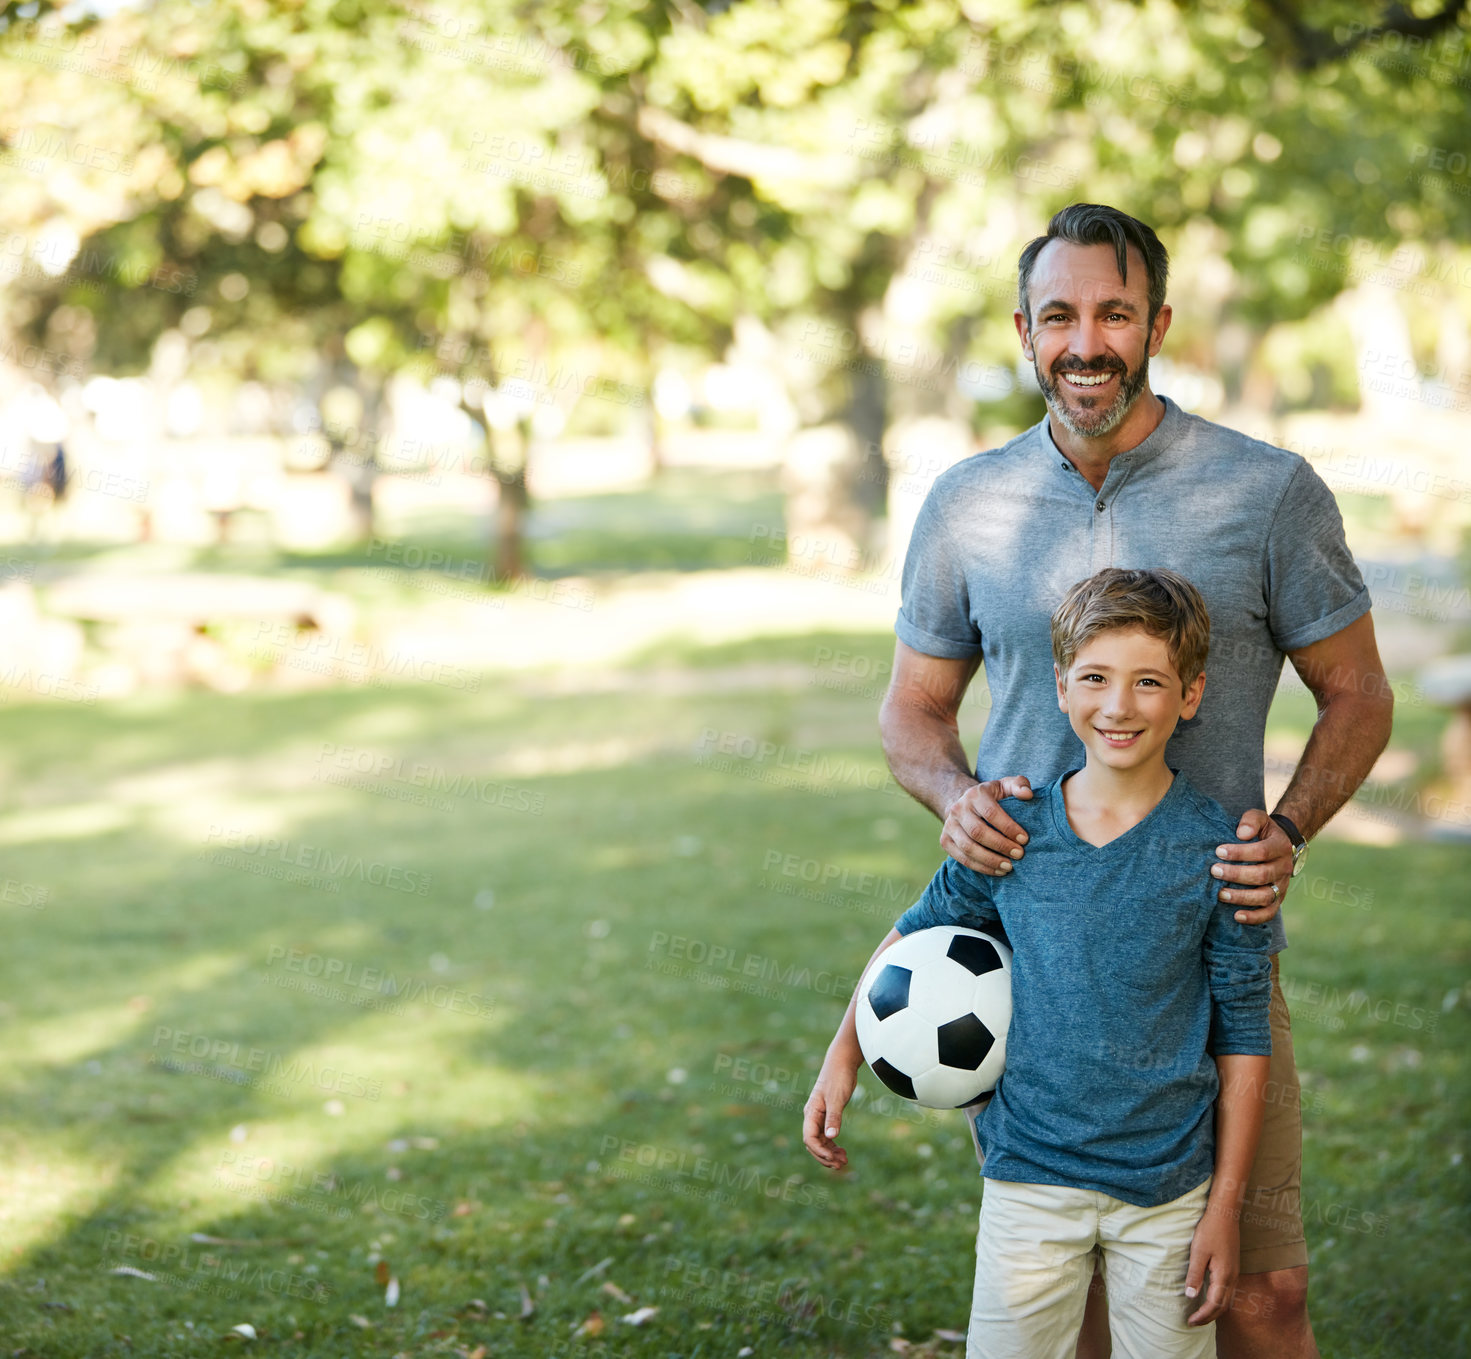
[550, 180]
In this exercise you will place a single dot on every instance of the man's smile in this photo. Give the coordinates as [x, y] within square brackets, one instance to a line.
[1088, 381]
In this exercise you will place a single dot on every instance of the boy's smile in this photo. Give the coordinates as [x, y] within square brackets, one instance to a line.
[1123, 697]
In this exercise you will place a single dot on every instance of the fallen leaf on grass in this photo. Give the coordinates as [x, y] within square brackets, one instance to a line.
[594, 1271]
[900, 1345]
[527, 1306]
[639, 1317]
[479, 1352]
[593, 1325]
[380, 1273]
[611, 1288]
[360, 1321]
[463, 1209]
[954, 1337]
[244, 1329]
[135, 1273]
[390, 1294]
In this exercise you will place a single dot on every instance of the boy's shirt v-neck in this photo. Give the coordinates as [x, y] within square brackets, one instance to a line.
[1069, 835]
[1125, 971]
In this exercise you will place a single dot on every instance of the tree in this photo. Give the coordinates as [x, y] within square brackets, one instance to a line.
[538, 198]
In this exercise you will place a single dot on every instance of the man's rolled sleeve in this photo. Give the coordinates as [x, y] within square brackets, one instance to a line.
[935, 614]
[1238, 969]
[956, 895]
[1314, 587]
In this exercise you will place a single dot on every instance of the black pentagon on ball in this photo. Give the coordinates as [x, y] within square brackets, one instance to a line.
[964, 1043]
[890, 991]
[977, 956]
[895, 1079]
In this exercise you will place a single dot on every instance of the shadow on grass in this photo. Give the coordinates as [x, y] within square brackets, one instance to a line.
[613, 1124]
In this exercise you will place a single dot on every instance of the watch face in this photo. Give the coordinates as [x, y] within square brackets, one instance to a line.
[1299, 859]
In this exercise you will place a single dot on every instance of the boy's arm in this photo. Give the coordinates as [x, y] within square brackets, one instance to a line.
[955, 896]
[1216, 1245]
[823, 1117]
[1238, 969]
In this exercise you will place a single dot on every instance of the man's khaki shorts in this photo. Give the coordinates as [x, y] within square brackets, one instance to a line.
[1271, 1211]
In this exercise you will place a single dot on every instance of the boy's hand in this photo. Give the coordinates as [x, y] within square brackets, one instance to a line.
[822, 1119]
[1215, 1247]
[978, 834]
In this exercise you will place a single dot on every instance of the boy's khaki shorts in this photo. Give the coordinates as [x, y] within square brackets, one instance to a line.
[1271, 1211]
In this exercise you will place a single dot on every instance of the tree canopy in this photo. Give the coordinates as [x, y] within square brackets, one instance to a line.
[503, 190]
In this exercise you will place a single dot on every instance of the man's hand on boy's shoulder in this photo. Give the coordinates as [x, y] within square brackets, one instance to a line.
[1250, 867]
[978, 834]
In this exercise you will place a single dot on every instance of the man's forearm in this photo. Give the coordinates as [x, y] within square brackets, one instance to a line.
[924, 753]
[1350, 734]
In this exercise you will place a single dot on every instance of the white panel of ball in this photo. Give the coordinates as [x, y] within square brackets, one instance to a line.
[941, 992]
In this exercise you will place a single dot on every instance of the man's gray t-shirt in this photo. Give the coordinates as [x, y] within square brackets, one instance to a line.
[1004, 534]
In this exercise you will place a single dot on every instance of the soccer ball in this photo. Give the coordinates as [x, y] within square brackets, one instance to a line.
[933, 1010]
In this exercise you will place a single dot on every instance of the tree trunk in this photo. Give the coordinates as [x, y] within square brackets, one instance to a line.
[508, 449]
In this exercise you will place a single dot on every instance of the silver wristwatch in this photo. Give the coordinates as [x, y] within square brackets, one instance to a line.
[1299, 842]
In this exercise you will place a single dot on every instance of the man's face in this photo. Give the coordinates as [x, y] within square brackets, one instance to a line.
[1090, 340]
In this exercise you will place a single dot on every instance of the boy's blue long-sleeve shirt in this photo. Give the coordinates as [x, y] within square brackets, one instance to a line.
[1127, 977]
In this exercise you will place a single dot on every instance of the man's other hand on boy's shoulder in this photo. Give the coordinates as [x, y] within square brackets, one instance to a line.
[978, 833]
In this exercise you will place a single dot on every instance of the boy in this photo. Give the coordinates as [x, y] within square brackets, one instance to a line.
[1124, 969]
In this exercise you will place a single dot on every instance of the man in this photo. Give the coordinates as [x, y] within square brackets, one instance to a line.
[1116, 476]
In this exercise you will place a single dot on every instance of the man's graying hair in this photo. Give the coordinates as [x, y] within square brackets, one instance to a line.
[1097, 224]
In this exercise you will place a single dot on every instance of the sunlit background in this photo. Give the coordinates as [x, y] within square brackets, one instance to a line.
[486, 437]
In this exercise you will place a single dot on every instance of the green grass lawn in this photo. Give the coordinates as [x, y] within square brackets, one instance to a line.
[613, 981]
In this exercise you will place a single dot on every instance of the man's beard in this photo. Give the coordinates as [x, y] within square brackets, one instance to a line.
[1094, 424]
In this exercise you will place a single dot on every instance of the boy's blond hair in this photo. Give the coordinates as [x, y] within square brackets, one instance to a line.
[1161, 602]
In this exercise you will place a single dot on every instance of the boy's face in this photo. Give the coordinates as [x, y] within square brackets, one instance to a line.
[1122, 696]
